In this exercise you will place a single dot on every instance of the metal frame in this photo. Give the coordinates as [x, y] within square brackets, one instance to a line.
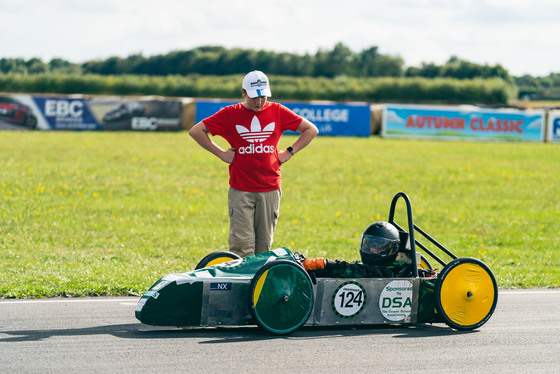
[412, 227]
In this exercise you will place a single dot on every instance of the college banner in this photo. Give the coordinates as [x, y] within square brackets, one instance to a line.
[553, 126]
[68, 113]
[330, 119]
[461, 123]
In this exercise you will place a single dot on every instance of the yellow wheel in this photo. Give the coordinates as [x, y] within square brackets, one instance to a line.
[466, 293]
[215, 258]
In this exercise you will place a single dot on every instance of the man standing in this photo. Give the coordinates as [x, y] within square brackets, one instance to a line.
[253, 130]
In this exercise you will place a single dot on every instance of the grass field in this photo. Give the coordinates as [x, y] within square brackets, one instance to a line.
[87, 213]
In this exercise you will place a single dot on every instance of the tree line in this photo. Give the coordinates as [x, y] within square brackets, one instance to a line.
[337, 62]
[214, 60]
[376, 89]
[540, 88]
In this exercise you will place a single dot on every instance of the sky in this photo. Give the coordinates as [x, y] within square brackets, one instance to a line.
[521, 35]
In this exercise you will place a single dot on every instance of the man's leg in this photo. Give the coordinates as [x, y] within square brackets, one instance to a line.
[241, 222]
[266, 216]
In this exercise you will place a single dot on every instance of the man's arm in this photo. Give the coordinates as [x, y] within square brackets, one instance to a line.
[199, 133]
[308, 132]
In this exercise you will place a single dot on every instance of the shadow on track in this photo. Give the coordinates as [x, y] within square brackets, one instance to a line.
[229, 334]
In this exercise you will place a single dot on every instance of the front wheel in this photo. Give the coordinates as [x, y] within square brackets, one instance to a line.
[281, 297]
[466, 293]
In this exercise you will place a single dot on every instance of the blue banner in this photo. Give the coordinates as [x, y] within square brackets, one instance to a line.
[553, 126]
[469, 123]
[66, 113]
[330, 119]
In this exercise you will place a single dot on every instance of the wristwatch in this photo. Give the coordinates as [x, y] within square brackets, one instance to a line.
[291, 150]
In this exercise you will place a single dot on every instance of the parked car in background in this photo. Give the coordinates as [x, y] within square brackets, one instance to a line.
[124, 111]
[13, 112]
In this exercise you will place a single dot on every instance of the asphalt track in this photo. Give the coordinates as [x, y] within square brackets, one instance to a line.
[101, 335]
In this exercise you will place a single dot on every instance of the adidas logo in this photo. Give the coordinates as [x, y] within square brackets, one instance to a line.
[255, 134]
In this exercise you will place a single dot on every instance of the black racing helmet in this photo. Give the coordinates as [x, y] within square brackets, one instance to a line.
[380, 244]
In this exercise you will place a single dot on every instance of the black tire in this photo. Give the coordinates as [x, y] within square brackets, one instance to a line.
[466, 293]
[30, 121]
[281, 297]
[217, 258]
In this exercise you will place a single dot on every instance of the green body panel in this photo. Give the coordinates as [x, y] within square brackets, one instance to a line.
[172, 305]
[178, 299]
[427, 312]
[242, 268]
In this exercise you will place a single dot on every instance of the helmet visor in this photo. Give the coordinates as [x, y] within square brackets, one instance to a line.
[378, 245]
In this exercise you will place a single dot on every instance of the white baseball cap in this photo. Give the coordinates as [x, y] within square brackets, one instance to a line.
[256, 84]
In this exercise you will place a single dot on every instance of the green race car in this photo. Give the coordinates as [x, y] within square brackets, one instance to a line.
[274, 291]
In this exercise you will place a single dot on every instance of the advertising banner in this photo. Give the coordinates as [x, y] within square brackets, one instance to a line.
[68, 113]
[330, 119]
[462, 123]
[553, 126]
[65, 114]
[116, 114]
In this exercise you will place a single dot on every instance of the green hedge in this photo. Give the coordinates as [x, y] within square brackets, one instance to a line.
[406, 90]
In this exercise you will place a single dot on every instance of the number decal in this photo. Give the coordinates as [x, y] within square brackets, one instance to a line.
[349, 299]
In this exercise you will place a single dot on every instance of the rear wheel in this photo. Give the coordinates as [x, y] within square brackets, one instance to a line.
[215, 258]
[281, 297]
[466, 293]
[424, 263]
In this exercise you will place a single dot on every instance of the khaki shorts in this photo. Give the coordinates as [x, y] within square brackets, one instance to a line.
[252, 220]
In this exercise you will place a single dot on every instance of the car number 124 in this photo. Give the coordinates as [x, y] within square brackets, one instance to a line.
[349, 299]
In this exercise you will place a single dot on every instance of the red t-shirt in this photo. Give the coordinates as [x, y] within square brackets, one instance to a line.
[255, 136]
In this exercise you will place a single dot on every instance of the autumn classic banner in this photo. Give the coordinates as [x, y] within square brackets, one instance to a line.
[464, 123]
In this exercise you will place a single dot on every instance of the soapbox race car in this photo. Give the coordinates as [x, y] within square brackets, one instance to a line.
[274, 291]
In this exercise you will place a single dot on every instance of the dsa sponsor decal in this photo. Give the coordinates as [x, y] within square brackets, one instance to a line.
[395, 301]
